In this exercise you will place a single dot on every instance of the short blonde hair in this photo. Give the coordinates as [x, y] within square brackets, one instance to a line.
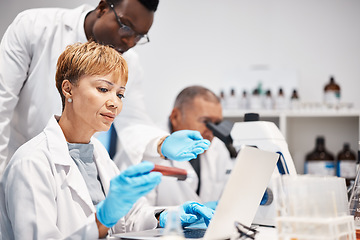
[88, 59]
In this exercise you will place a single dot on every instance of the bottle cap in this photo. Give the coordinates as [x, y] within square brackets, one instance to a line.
[250, 117]
[320, 140]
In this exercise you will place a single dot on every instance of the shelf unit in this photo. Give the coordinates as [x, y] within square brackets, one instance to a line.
[300, 129]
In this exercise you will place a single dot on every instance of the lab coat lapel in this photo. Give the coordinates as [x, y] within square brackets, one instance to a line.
[106, 170]
[65, 166]
[103, 174]
[105, 166]
[211, 169]
[76, 182]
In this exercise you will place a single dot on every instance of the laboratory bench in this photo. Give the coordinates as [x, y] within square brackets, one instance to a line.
[264, 233]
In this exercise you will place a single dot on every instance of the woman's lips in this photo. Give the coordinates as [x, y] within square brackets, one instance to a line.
[109, 116]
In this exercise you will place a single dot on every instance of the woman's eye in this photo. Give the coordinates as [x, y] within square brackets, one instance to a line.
[103, 89]
[121, 96]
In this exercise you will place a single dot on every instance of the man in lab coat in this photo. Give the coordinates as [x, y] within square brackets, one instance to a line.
[28, 53]
[194, 106]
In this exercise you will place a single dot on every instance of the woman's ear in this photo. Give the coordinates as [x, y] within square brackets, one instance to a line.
[66, 87]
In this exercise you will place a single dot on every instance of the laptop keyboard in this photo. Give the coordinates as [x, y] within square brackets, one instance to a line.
[194, 232]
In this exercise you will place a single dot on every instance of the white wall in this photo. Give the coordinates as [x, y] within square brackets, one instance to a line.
[10, 8]
[207, 42]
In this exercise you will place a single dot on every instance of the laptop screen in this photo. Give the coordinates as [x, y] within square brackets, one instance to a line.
[239, 201]
[243, 191]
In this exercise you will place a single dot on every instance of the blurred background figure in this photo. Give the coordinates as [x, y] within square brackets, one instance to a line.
[208, 173]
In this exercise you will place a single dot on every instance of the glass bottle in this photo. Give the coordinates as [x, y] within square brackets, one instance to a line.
[280, 101]
[358, 157]
[294, 100]
[255, 100]
[268, 101]
[354, 204]
[222, 98]
[331, 93]
[320, 161]
[244, 101]
[232, 100]
[346, 164]
[173, 229]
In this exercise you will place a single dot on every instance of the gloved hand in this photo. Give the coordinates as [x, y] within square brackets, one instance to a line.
[125, 190]
[211, 204]
[190, 212]
[184, 145]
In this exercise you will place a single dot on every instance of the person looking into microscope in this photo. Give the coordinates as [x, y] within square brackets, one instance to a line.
[208, 173]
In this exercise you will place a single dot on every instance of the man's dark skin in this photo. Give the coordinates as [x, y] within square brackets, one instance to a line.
[102, 27]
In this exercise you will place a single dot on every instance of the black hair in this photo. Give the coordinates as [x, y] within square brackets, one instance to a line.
[151, 5]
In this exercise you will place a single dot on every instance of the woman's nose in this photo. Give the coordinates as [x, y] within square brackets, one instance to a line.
[111, 104]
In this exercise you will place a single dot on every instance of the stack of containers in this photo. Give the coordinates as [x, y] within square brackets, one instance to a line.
[313, 207]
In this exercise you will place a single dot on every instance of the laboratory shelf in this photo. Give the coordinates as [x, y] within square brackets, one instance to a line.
[300, 129]
[233, 113]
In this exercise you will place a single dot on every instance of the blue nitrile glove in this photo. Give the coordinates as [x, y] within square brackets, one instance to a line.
[211, 204]
[125, 190]
[184, 145]
[190, 212]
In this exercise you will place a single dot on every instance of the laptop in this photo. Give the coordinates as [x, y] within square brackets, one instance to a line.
[239, 201]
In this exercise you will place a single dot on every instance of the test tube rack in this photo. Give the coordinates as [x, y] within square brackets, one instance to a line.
[305, 228]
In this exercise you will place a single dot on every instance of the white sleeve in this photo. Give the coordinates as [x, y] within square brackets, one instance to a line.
[137, 134]
[15, 58]
[141, 217]
[30, 199]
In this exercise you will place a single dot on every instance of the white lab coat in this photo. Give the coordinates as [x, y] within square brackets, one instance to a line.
[216, 165]
[28, 97]
[44, 196]
[215, 169]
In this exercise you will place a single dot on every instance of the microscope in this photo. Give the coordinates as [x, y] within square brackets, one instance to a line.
[263, 135]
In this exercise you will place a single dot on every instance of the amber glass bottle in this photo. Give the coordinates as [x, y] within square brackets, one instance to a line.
[294, 100]
[232, 100]
[346, 164]
[331, 92]
[280, 100]
[320, 161]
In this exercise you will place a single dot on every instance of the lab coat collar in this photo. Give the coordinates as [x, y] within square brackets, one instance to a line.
[73, 23]
[57, 143]
[61, 158]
